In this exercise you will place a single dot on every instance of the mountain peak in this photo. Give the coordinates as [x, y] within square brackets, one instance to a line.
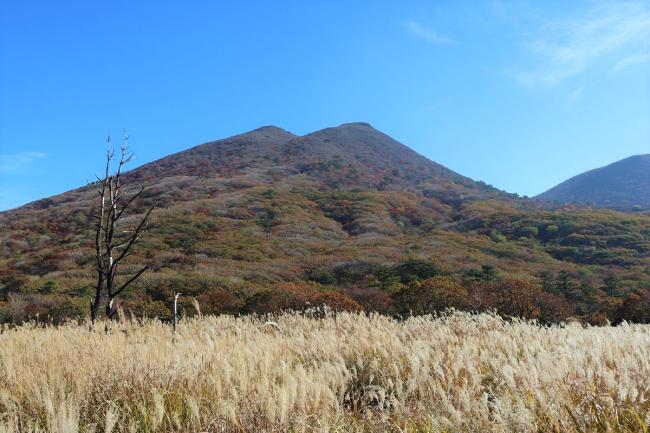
[624, 184]
[272, 129]
[356, 125]
[354, 132]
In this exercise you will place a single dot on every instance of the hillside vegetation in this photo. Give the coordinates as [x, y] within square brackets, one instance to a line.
[346, 216]
[343, 373]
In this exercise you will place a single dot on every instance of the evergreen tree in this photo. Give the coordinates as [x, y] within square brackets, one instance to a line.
[547, 281]
[612, 286]
[489, 273]
[566, 284]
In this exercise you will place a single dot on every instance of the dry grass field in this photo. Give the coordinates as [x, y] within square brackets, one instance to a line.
[344, 373]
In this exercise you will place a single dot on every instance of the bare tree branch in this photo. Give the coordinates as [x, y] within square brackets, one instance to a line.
[130, 280]
[129, 201]
[113, 203]
[137, 233]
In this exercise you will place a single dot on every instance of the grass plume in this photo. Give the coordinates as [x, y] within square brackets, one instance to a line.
[344, 373]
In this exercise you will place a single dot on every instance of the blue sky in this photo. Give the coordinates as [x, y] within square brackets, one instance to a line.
[521, 95]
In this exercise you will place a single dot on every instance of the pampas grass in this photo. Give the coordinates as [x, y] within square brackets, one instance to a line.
[343, 373]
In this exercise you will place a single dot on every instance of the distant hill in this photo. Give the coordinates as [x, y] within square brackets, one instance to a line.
[623, 185]
[267, 219]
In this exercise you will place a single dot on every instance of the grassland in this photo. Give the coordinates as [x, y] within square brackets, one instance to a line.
[343, 373]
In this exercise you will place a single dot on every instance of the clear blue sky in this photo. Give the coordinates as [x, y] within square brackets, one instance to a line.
[521, 95]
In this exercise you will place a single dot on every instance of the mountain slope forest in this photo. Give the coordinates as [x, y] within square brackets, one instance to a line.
[345, 216]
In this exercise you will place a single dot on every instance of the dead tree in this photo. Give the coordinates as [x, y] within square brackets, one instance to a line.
[114, 239]
[175, 311]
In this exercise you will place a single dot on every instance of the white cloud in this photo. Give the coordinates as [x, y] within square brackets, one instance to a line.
[566, 48]
[425, 33]
[17, 162]
[635, 59]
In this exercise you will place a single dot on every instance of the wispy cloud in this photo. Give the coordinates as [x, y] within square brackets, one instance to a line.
[636, 59]
[425, 33]
[18, 162]
[566, 48]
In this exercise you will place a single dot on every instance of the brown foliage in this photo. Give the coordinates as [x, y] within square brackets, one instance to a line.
[217, 301]
[297, 297]
[520, 298]
[373, 300]
[336, 301]
[434, 294]
[635, 308]
[552, 307]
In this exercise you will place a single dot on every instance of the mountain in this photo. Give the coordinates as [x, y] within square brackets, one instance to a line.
[623, 185]
[352, 155]
[268, 220]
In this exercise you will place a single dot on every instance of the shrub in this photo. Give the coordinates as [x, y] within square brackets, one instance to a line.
[274, 300]
[336, 301]
[635, 307]
[149, 308]
[12, 282]
[50, 286]
[373, 299]
[509, 297]
[218, 300]
[70, 308]
[296, 297]
[553, 308]
[354, 272]
[322, 276]
[528, 232]
[432, 295]
[416, 269]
